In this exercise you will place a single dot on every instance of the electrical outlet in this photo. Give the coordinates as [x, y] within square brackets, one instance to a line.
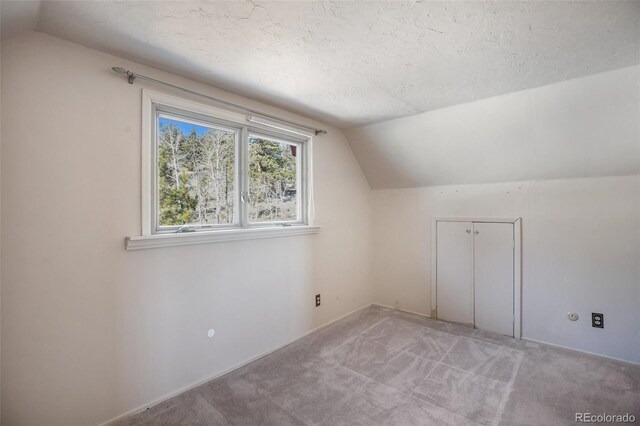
[573, 316]
[317, 300]
[597, 320]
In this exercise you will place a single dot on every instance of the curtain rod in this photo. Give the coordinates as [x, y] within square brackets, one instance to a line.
[131, 77]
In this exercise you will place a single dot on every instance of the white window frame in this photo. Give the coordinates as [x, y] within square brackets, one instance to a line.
[153, 236]
[301, 182]
[190, 117]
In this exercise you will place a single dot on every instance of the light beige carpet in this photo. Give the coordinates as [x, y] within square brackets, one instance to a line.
[384, 367]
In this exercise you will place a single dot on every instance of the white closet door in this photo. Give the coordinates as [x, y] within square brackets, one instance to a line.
[454, 273]
[493, 277]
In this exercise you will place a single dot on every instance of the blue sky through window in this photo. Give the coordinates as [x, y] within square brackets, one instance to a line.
[186, 128]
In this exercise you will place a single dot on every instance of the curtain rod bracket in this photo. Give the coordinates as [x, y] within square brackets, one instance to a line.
[131, 77]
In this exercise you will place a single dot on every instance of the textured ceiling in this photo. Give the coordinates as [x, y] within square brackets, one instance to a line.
[584, 127]
[18, 16]
[353, 63]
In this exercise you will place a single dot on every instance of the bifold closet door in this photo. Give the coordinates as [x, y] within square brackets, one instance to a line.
[454, 272]
[493, 277]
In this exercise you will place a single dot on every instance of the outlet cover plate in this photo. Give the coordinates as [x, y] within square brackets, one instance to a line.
[597, 320]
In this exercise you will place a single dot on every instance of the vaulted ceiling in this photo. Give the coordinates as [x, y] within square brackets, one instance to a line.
[354, 63]
[584, 127]
[429, 93]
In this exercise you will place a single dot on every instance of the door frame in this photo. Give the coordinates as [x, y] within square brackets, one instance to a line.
[517, 263]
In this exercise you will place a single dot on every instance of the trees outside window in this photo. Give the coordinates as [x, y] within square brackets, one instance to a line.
[272, 180]
[196, 174]
[200, 176]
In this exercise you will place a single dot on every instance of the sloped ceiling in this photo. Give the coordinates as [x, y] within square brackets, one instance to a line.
[585, 127]
[490, 91]
[355, 63]
[17, 17]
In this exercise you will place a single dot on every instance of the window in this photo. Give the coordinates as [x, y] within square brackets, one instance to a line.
[273, 180]
[209, 169]
[195, 174]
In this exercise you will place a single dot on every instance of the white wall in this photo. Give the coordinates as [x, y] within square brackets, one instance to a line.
[581, 253]
[89, 330]
[557, 150]
[0, 223]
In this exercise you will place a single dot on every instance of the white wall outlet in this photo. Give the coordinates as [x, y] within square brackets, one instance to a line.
[572, 316]
[211, 332]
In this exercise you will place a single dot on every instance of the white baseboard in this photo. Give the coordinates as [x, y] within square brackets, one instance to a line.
[542, 342]
[250, 360]
[555, 345]
[401, 310]
[220, 374]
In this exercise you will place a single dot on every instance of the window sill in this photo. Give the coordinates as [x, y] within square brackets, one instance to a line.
[185, 239]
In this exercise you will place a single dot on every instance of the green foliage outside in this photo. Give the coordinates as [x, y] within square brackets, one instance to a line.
[196, 178]
[272, 181]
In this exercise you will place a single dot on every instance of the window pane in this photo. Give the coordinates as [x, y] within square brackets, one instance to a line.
[272, 180]
[196, 173]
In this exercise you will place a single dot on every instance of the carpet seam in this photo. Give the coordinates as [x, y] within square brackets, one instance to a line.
[507, 392]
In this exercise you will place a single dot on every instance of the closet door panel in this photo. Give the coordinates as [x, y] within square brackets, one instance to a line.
[493, 277]
[454, 273]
